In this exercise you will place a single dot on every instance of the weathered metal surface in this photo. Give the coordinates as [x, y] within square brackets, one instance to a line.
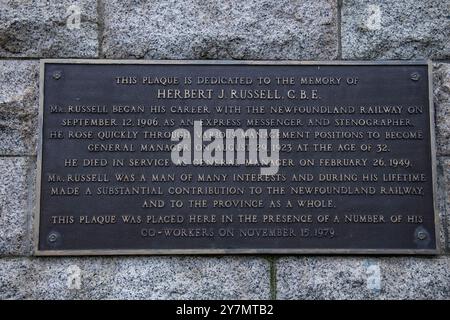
[356, 170]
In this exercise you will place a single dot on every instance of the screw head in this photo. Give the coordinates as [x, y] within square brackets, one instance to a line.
[415, 76]
[57, 75]
[52, 237]
[421, 235]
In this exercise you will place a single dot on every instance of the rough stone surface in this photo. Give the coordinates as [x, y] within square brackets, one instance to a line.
[213, 29]
[391, 29]
[70, 278]
[15, 206]
[363, 278]
[444, 199]
[192, 278]
[19, 100]
[39, 28]
[13, 278]
[441, 84]
[134, 278]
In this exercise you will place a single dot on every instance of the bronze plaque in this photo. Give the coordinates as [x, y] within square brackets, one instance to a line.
[218, 157]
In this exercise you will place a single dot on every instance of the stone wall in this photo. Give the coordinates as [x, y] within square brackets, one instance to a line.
[208, 29]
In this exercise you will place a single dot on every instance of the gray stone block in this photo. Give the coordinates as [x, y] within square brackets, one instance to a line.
[213, 29]
[444, 199]
[192, 278]
[391, 29]
[19, 100]
[70, 278]
[48, 28]
[13, 278]
[363, 278]
[134, 278]
[15, 205]
[441, 86]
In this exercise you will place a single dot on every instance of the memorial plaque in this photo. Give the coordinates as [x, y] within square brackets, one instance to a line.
[217, 157]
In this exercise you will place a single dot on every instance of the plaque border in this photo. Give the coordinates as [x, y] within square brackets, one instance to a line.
[249, 251]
